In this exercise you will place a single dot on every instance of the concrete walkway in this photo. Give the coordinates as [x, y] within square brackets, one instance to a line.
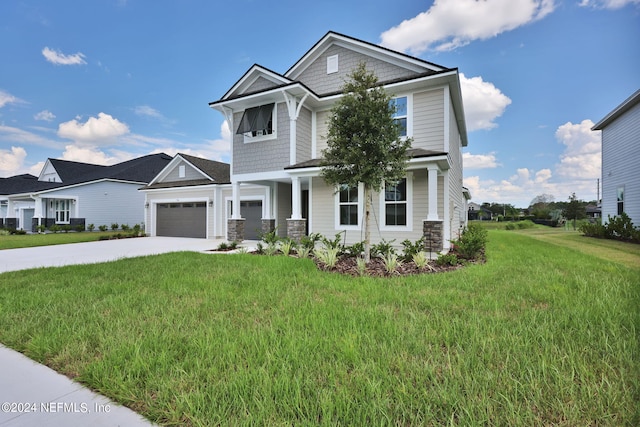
[34, 395]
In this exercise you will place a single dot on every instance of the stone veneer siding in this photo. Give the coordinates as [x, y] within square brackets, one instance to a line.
[268, 225]
[235, 230]
[432, 231]
[296, 229]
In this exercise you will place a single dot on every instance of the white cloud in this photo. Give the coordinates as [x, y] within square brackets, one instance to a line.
[59, 58]
[483, 103]
[213, 149]
[45, 115]
[582, 157]
[479, 161]
[146, 111]
[11, 160]
[101, 130]
[12, 135]
[6, 98]
[87, 154]
[449, 24]
[608, 4]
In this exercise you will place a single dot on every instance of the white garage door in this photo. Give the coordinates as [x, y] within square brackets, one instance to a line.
[181, 220]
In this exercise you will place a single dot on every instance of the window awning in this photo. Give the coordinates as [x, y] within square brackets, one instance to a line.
[255, 119]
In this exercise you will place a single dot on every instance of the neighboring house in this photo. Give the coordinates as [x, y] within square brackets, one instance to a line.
[78, 194]
[593, 211]
[476, 212]
[620, 159]
[191, 197]
[279, 123]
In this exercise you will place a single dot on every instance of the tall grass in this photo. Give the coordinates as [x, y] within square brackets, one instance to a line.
[539, 335]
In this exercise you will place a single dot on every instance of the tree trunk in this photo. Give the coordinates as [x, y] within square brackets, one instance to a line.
[367, 232]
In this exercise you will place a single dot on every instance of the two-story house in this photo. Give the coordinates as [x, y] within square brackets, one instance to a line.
[279, 123]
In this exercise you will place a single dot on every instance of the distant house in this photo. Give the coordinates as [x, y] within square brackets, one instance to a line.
[620, 158]
[78, 194]
[593, 211]
[477, 212]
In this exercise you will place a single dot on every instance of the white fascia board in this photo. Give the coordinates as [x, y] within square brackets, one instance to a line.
[183, 189]
[121, 181]
[252, 75]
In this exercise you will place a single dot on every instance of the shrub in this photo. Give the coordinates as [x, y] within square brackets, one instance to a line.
[328, 256]
[91, 227]
[125, 227]
[412, 248]
[271, 238]
[66, 228]
[309, 242]
[472, 242]
[4, 232]
[355, 250]
[115, 226]
[391, 262]
[54, 228]
[383, 248]
[420, 260]
[79, 228]
[287, 246]
[41, 228]
[447, 259]
[620, 227]
[102, 228]
[361, 265]
[332, 244]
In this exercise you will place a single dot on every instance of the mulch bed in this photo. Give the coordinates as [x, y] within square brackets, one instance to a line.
[375, 268]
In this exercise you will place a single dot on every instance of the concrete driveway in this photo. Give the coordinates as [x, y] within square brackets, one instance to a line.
[101, 251]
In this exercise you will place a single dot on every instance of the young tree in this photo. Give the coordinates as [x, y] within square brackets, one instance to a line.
[363, 141]
[574, 210]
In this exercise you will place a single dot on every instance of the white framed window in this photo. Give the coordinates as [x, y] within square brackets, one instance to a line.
[62, 211]
[349, 202]
[396, 205]
[182, 171]
[620, 200]
[259, 123]
[332, 64]
[401, 114]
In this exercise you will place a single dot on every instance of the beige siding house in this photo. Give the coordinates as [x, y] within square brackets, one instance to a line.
[279, 125]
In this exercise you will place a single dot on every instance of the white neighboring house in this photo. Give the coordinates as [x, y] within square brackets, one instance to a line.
[78, 194]
[620, 159]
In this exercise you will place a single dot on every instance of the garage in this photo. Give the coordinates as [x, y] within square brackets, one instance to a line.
[181, 219]
[251, 211]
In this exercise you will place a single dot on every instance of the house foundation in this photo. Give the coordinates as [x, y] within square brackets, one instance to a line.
[235, 230]
[432, 232]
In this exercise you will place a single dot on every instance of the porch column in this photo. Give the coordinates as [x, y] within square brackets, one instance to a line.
[268, 221]
[293, 108]
[37, 213]
[296, 225]
[432, 177]
[235, 224]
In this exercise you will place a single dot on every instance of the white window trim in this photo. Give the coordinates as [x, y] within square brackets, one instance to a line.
[67, 210]
[182, 171]
[409, 226]
[409, 97]
[336, 203]
[273, 135]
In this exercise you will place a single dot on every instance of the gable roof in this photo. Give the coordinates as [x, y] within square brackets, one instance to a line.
[332, 38]
[140, 170]
[618, 111]
[212, 172]
[249, 77]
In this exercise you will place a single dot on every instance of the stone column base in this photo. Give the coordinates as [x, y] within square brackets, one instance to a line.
[296, 229]
[432, 232]
[268, 225]
[235, 230]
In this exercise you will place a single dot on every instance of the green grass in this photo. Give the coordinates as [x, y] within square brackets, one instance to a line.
[15, 241]
[539, 335]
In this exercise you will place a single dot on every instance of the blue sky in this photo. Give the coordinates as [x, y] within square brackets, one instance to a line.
[108, 80]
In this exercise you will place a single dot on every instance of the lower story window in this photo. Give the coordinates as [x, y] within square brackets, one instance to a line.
[348, 205]
[62, 211]
[620, 199]
[395, 203]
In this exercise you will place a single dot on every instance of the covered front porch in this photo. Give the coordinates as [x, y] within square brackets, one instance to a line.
[31, 212]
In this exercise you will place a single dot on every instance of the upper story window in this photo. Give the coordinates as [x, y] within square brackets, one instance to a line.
[396, 204]
[401, 114]
[258, 123]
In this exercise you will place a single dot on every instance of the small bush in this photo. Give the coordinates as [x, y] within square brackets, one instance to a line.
[102, 228]
[309, 242]
[79, 228]
[271, 238]
[333, 244]
[125, 227]
[412, 248]
[55, 228]
[361, 265]
[115, 226]
[391, 262]
[447, 259]
[328, 256]
[472, 242]
[91, 227]
[355, 250]
[287, 246]
[383, 248]
[420, 260]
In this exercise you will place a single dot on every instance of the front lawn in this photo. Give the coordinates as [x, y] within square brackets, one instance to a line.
[539, 335]
[15, 241]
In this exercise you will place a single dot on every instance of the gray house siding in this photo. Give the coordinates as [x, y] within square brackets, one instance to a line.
[103, 203]
[190, 173]
[428, 120]
[315, 77]
[259, 85]
[303, 136]
[620, 156]
[265, 155]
